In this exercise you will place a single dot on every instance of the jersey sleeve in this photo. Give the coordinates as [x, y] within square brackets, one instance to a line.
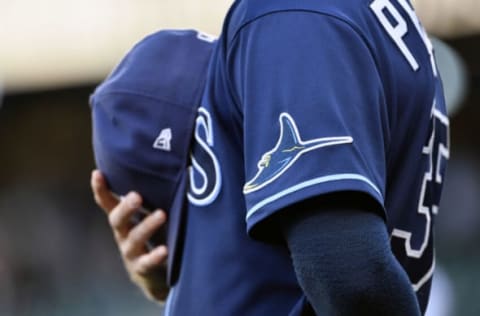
[314, 112]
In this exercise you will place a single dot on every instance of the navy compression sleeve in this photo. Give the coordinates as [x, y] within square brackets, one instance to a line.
[342, 259]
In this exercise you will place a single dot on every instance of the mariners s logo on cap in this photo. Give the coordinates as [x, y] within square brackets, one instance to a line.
[288, 149]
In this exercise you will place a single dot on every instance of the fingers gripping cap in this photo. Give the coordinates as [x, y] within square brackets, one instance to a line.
[143, 117]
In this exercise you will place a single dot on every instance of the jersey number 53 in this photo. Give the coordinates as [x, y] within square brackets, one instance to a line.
[412, 241]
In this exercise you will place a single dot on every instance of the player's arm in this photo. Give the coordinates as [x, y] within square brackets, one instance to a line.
[341, 254]
[145, 268]
[339, 245]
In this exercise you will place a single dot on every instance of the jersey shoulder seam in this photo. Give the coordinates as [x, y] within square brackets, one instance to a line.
[344, 20]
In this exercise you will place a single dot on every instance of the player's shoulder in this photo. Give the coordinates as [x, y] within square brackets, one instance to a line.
[356, 13]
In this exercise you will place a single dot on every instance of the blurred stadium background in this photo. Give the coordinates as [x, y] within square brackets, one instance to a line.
[57, 256]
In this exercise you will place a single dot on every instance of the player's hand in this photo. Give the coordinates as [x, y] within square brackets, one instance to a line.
[145, 268]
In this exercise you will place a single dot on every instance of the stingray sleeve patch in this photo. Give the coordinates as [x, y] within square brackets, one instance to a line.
[288, 149]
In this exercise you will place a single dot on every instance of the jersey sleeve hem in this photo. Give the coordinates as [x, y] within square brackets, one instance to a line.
[317, 186]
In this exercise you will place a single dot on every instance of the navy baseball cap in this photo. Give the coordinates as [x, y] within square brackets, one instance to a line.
[143, 119]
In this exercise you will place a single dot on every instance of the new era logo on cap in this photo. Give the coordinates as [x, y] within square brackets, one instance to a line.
[163, 141]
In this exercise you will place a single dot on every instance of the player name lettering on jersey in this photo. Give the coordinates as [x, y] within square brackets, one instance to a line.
[398, 29]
